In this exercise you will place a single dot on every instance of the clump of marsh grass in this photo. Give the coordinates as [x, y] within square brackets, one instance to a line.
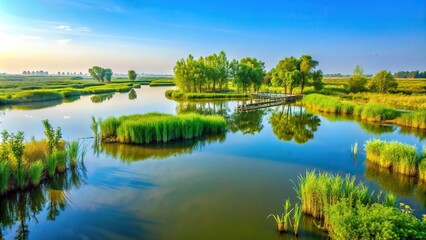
[61, 160]
[35, 171]
[158, 127]
[318, 189]
[422, 166]
[415, 119]
[399, 157]
[51, 165]
[72, 149]
[377, 113]
[4, 176]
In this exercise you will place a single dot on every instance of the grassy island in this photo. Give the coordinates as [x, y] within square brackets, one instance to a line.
[159, 127]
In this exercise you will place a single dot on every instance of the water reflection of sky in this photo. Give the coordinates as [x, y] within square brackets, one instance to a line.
[211, 189]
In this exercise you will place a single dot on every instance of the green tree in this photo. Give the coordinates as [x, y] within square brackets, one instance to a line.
[357, 81]
[284, 66]
[292, 79]
[132, 75]
[108, 74]
[307, 64]
[383, 82]
[317, 80]
[250, 73]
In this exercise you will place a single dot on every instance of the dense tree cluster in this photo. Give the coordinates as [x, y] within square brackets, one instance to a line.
[101, 74]
[383, 82]
[212, 73]
[291, 72]
[205, 74]
[412, 74]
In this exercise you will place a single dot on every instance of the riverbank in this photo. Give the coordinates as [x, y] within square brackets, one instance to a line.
[176, 94]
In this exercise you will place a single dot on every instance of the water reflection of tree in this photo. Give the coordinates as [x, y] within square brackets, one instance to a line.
[132, 94]
[245, 122]
[24, 206]
[294, 123]
[132, 152]
[399, 184]
[99, 98]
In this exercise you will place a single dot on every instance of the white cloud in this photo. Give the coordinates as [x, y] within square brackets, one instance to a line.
[63, 42]
[64, 27]
[83, 29]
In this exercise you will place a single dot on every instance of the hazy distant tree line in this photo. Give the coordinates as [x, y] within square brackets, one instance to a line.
[35, 73]
[412, 74]
[212, 73]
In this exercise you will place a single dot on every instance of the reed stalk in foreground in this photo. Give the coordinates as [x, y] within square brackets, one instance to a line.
[296, 218]
[286, 216]
[279, 220]
[72, 149]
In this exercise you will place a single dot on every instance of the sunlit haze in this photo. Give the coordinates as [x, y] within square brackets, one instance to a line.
[149, 36]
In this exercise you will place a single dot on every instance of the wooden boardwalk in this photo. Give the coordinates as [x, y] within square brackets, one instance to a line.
[269, 100]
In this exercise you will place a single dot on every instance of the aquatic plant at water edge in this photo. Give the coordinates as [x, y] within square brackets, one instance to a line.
[72, 149]
[296, 218]
[61, 160]
[400, 157]
[4, 176]
[375, 221]
[279, 220]
[51, 165]
[158, 127]
[35, 171]
[286, 216]
[53, 137]
[413, 119]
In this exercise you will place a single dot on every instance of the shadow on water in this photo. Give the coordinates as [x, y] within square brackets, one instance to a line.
[399, 184]
[17, 209]
[293, 123]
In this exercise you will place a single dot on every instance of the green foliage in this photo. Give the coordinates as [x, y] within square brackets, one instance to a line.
[286, 215]
[51, 165]
[400, 157]
[383, 82]
[61, 160]
[157, 127]
[100, 74]
[53, 138]
[413, 119]
[72, 149]
[161, 83]
[319, 189]
[204, 74]
[132, 75]
[249, 73]
[317, 80]
[279, 220]
[99, 98]
[296, 218]
[4, 176]
[375, 221]
[422, 167]
[35, 171]
[357, 81]
[175, 94]
[377, 113]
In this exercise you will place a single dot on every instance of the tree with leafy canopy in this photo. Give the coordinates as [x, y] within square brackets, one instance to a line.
[317, 80]
[357, 81]
[132, 75]
[383, 82]
[284, 66]
[307, 64]
[249, 73]
[108, 74]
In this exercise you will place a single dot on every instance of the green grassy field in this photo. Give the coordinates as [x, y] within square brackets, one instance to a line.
[20, 89]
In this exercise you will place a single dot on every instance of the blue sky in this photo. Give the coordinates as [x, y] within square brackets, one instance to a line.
[150, 35]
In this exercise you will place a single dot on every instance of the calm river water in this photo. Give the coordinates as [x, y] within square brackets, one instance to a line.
[221, 187]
